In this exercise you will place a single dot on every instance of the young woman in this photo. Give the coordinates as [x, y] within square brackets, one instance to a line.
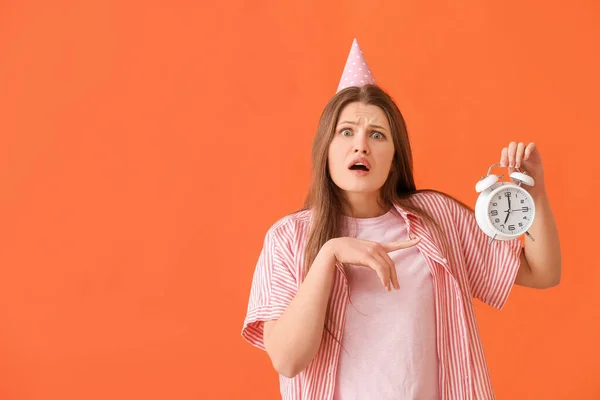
[366, 293]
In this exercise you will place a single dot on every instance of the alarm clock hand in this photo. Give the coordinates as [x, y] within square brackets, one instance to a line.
[507, 211]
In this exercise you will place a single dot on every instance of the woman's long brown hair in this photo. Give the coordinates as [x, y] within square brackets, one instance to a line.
[325, 199]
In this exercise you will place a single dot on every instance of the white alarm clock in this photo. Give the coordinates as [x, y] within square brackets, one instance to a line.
[504, 210]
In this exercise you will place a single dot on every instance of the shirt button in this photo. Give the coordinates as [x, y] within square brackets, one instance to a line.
[444, 260]
[330, 369]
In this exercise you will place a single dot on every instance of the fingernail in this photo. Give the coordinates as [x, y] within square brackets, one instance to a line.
[387, 288]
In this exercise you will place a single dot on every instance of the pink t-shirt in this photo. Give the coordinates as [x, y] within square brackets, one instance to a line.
[389, 343]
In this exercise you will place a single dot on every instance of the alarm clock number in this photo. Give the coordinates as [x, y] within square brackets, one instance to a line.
[510, 211]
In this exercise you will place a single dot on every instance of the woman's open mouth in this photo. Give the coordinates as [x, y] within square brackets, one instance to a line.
[359, 169]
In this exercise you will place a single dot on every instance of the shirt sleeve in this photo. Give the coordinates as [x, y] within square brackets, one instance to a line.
[274, 285]
[491, 268]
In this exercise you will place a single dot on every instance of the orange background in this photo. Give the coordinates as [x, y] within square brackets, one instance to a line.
[146, 147]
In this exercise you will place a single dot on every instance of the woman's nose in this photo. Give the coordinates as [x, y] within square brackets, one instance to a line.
[360, 144]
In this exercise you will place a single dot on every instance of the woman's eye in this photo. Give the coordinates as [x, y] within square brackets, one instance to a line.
[377, 135]
[346, 132]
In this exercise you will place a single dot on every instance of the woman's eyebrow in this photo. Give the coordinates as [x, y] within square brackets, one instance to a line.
[378, 127]
[354, 123]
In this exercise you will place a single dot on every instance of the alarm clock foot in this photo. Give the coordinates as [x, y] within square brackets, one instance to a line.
[530, 237]
[492, 239]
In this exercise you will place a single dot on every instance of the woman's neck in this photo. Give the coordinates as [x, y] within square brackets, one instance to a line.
[364, 206]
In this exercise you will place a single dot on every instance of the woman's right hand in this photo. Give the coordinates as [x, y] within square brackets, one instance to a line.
[369, 254]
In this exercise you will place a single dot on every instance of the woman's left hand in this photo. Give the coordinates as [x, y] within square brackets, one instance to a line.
[527, 159]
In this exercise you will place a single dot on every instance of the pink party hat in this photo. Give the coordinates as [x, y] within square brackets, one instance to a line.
[356, 71]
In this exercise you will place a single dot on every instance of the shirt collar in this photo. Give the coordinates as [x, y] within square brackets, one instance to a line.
[405, 213]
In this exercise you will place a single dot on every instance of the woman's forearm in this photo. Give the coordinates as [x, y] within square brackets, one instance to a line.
[543, 255]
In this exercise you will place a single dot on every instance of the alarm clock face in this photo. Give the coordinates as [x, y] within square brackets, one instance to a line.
[511, 210]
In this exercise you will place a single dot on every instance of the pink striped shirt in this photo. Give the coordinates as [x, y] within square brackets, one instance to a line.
[472, 269]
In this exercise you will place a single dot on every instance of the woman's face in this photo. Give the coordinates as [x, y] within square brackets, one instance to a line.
[362, 135]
